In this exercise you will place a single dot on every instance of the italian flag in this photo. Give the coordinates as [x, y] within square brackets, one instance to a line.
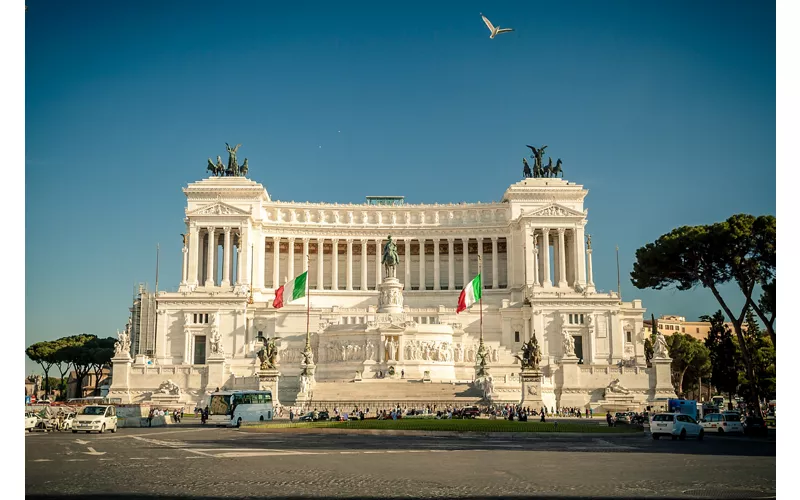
[292, 290]
[470, 294]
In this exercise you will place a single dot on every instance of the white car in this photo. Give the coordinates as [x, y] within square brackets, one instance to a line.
[31, 421]
[677, 425]
[99, 418]
[723, 423]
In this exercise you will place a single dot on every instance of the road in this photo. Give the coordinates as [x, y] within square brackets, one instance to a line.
[204, 463]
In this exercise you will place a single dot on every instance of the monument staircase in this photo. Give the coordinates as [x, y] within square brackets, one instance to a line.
[386, 393]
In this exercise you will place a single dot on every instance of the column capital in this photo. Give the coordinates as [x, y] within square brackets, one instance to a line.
[465, 240]
[291, 239]
[192, 224]
[561, 230]
[435, 240]
[306, 240]
[227, 229]
[210, 229]
[364, 241]
[545, 230]
[495, 238]
[335, 240]
[320, 240]
[479, 238]
[450, 240]
[349, 241]
[276, 239]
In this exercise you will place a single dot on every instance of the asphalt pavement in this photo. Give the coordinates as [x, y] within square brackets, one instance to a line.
[208, 463]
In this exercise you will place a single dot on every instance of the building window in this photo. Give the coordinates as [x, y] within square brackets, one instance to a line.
[260, 337]
[576, 319]
[629, 337]
[200, 350]
[199, 318]
[516, 336]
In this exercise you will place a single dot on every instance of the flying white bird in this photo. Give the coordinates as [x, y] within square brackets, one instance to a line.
[495, 31]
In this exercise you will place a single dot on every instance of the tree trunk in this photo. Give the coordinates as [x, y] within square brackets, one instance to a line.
[737, 327]
[767, 323]
[680, 382]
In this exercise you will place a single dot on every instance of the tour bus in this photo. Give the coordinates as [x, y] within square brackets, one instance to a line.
[231, 408]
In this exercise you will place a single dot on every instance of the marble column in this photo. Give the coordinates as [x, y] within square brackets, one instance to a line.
[217, 273]
[535, 240]
[243, 276]
[194, 256]
[320, 265]
[226, 253]
[210, 258]
[364, 285]
[590, 279]
[349, 270]
[290, 260]
[451, 264]
[547, 282]
[465, 264]
[378, 256]
[276, 262]
[422, 264]
[480, 261]
[306, 241]
[437, 266]
[407, 258]
[495, 267]
[334, 264]
[562, 261]
[184, 268]
[579, 242]
[528, 258]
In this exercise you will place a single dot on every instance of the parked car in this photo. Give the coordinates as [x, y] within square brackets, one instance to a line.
[676, 425]
[471, 412]
[98, 418]
[755, 426]
[723, 423]
[622, 418]
[31, 421]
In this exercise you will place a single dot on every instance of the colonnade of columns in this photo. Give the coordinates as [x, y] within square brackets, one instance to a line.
[202, 257]
[329, 277]
[569, 266]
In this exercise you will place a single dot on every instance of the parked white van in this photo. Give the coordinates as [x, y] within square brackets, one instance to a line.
[98, 418]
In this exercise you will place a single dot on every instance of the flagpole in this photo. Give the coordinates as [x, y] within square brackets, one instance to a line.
[481, 347]
[619, 293]
[308, 307]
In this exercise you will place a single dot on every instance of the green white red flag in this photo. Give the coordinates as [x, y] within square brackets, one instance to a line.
[470, 294]
[292, 290]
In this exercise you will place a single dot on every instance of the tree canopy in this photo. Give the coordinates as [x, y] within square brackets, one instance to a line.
[740, 249]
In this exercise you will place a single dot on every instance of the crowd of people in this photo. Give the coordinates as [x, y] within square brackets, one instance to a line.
[176, 415]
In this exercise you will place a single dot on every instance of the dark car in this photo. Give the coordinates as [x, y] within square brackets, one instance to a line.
[471, 412]
[755, 426]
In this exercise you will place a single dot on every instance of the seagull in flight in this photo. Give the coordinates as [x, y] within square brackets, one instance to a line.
[495, 31]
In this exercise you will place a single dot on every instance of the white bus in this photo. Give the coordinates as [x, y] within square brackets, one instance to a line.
[231, 408]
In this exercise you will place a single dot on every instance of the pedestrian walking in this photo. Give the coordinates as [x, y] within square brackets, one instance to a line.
[291, 415]
[150, 418]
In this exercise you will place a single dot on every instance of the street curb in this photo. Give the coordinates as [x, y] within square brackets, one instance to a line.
[392, 432]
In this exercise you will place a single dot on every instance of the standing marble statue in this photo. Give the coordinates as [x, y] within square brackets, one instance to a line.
[390, 258]
[390, 347]
[660, 349]
[569, 343]
[122, 346]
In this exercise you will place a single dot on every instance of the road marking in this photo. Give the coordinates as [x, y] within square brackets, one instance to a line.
[265, 453]
[170, 445]
[165, 458]
[106, 459]
[138, 458]
[42, 460]
[77, 460]
[81, 441]
[124, 436]
[92, 451]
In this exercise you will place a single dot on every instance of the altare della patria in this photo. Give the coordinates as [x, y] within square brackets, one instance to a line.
[378, 323]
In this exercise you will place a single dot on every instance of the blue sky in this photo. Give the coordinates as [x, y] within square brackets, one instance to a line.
[665, 111]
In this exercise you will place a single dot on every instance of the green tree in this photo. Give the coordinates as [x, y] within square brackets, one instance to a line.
[650, 342]
[43, 353]
[740, 249]
[79, 354]
[725, 358]
[763, 382]
[102, 350]
[689, 357]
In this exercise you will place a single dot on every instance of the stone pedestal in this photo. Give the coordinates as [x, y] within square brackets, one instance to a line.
[615, 402]
[307, 382]
[531, 388]
[390, 298]
[661, 378]
[120, 378]
[268, 380]
[571, 392]
[215, 364]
